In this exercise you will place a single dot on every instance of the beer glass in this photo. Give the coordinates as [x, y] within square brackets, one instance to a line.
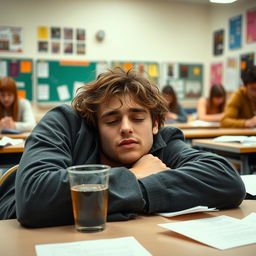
[89, 193]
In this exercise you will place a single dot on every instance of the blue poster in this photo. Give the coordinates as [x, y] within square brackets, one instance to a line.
[235, 32]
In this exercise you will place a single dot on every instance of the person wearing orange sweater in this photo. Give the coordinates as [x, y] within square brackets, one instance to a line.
[240, 111]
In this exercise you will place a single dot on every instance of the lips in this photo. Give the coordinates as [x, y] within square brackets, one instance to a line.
[127, 142]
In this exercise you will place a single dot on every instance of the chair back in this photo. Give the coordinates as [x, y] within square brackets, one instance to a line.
[7, 173]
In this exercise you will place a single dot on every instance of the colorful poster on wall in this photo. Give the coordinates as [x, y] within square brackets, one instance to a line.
[251, 25]
[232, 79]
[235, 32]
[11, 39]
[218, 42]
[216, 73]
[43, 33]
[246, 60]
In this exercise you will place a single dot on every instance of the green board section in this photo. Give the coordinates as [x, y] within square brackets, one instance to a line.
[60, 77]
[21, 71]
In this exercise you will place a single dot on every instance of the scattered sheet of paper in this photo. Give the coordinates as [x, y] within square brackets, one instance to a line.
[250, 183]
[6, 141]
[222, 232]
[250, 219]
[125, 246]
[186, 211]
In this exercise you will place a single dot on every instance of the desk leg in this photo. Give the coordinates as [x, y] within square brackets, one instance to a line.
[245, 168]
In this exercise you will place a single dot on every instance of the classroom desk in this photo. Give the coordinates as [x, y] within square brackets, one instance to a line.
[10, 155]
[190, 125]
[23, 135]
[233, 151]
[17, 240]
[211, 133]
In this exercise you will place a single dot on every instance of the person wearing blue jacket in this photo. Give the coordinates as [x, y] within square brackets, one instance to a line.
[115, 120]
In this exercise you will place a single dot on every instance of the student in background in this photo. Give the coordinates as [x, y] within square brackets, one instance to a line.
[15, 113]
[211, 109]
[240, 111]
[176, 113]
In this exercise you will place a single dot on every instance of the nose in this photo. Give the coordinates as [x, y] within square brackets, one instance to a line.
[126, 126]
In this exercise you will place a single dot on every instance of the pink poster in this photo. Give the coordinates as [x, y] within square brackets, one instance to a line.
[216, 73]
[251, 25]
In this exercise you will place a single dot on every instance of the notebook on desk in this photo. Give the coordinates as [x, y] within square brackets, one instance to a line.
[10, 131]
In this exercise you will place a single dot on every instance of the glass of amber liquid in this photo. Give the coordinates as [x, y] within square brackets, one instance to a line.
[89, 193]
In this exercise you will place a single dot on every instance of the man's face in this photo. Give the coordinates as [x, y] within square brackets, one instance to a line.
[251, 91]
[126, 130]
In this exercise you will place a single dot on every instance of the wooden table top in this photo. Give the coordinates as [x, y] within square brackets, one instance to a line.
[234, 147]
[17, 240]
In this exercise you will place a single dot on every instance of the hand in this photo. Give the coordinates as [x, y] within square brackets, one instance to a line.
[147, 165]
[7, 122]
[250, 123]
[171, 116]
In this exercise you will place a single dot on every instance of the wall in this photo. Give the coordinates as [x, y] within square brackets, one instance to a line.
[135, 29]
[219, 19]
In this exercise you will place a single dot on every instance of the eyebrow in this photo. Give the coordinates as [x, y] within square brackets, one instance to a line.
[116, 112]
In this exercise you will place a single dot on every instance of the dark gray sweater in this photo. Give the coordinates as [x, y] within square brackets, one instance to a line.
[62, 139]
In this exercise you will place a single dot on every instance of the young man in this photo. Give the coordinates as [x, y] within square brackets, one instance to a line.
[240, 111]
[116, 120]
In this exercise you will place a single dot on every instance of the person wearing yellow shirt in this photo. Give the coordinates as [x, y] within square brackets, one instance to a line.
[240, 111]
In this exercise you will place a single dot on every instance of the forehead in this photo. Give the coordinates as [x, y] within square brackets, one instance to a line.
[120, 102]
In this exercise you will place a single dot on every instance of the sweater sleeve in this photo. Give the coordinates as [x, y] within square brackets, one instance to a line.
[27, 119]
[182, 115]
[231, 112]
[196, 178]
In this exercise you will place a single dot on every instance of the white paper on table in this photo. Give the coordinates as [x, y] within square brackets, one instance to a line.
[43, 92]
[125, 246]
[63, 92]
[222, 232]
[203, 123]
[6, 141]
[42, 70]
[250, 183]
[245, 140]
[186, 211]
[250, 219]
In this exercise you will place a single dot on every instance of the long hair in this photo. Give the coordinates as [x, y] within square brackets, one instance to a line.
[173, 106]
[7, 84]
[216, 91]
[118, 82]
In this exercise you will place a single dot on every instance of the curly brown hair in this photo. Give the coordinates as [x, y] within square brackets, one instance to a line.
[118, 82]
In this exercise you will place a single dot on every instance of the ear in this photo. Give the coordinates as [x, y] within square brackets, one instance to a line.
[155, 128]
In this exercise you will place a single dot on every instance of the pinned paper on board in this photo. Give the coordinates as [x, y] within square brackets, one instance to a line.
[43, 32]
[20, 84]
[196, 71]
[128, 66]
[25, 66]
[101, 67]
[14, 69]
[152, 70]
[43, 70]
[43, 92]
[76, 87]
[21, 94]
[3, 68]
[63, 92]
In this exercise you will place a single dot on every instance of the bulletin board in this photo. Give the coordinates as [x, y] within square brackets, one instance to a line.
[21, 71]
[186, 79]
[148, 69]
[57, 81]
